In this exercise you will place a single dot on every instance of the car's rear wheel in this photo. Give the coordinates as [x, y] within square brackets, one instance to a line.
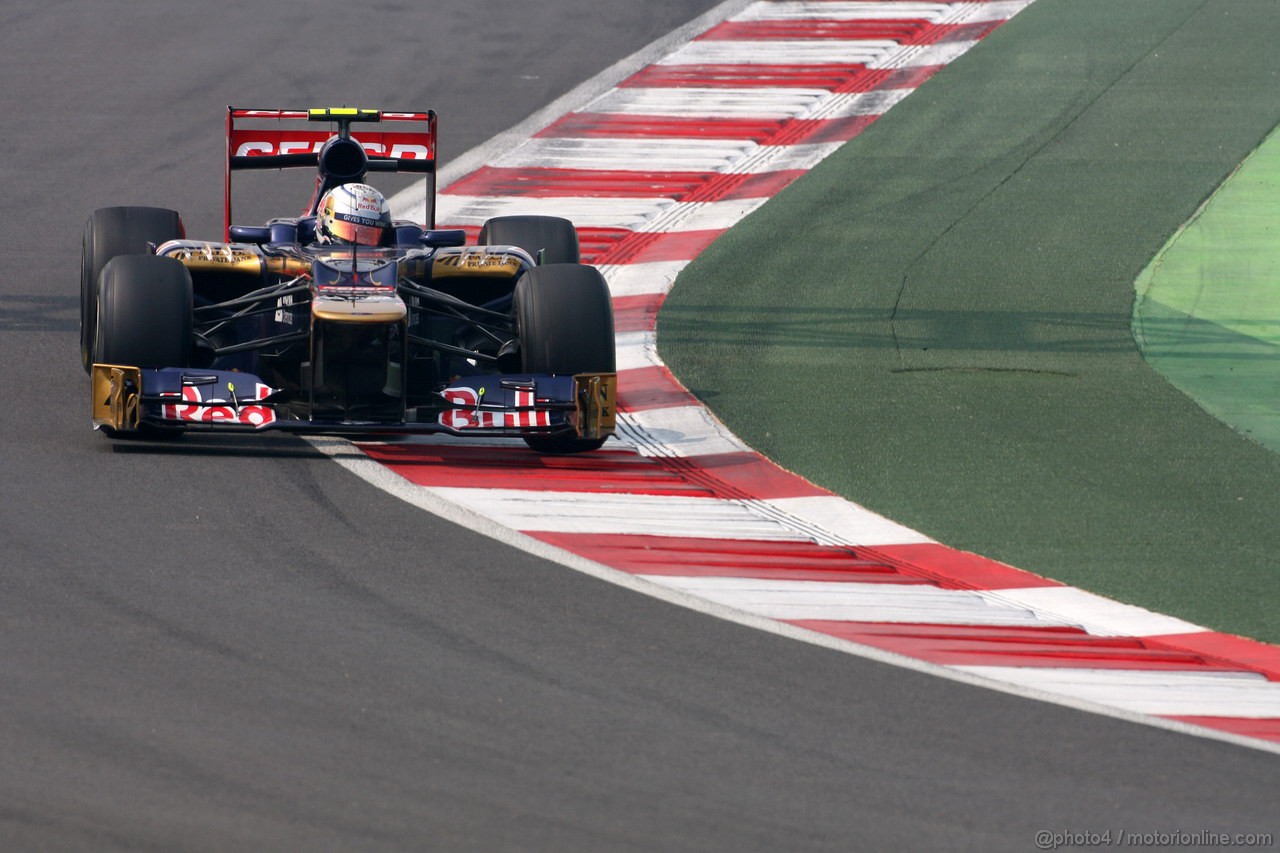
[566, 327]
[109, 233]
[555, 238]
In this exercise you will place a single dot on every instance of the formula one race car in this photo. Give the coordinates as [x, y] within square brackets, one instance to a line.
[342, 320]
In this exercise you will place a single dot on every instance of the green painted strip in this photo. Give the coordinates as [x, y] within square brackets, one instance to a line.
[1207, 314]
[935, 321]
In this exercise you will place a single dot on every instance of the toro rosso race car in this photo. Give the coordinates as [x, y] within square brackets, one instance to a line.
[343, 320]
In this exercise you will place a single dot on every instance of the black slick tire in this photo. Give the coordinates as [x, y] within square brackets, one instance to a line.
[143, 313]
[553, 236]
[109, 233]
[565, 319]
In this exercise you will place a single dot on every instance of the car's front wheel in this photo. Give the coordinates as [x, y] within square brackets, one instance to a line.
[565, 319]
[109, 233]
[143, 313]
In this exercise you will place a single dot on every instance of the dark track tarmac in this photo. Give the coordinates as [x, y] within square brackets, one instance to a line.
[221, 645]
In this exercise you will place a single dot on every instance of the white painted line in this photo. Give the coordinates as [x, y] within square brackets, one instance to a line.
[854, 104]
[705, 215]
[777, 158]
[631, 213]
[636, 349]
[782, 52]
[645, 153]
[847, 522]
[641, 279]
[635, 214]
[856, 602]
[709, 103]
[997, 10]
[1094, 613]
[678, 431]
[853, 10]
[919, 56]
[829, 10]
[1162, 692]
[620, 513]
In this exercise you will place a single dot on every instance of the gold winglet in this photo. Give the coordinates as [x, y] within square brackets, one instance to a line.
[116, 391]
[597, 395]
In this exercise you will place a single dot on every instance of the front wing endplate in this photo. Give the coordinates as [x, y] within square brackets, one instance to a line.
[117, 391]
[597, 404]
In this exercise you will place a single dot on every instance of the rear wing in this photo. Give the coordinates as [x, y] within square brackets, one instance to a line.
[273, 139]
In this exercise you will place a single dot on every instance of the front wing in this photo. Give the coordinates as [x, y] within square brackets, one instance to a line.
[130, 399]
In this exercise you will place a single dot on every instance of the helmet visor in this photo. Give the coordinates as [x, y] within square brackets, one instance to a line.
[349, 228]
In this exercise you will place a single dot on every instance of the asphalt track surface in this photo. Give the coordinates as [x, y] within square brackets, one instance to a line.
[236, 645]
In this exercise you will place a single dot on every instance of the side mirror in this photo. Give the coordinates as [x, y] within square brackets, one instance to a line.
[435, 239]
[250, 234]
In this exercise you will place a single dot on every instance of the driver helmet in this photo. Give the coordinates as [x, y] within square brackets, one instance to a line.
[353, 214]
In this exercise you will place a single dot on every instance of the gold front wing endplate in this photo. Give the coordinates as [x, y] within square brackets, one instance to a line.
[116, 391]
[597, 404]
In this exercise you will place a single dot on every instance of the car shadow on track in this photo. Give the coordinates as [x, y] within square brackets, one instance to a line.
[265, 446]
